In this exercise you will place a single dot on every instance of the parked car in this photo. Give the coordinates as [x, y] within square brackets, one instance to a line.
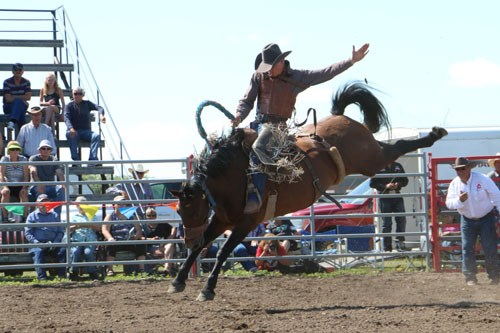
[350, 205]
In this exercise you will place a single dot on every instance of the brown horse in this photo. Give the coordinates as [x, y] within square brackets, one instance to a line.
[219, 180]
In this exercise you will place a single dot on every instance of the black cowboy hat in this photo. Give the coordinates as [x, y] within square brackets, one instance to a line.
[269, 56]
[462, 162]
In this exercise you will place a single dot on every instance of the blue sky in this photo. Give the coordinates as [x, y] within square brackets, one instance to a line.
[436, 62]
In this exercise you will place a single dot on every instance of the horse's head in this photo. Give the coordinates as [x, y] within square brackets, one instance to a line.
[194, 210]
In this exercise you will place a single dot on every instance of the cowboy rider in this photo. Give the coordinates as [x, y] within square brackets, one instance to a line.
[275, 86]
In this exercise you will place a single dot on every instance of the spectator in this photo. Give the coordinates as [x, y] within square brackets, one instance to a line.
[34, 132]
[284, 228]
[82, 232]
[248, 248]
[275, 86]
[37, 235]
[14, 173]
[391, 185]
[122, 231]
[52, 98]
[46, 173]
[137, 191]
[156, 231]
[495, 173]
[476, 198]
[16, 94]
[271, 248]
[78, 123]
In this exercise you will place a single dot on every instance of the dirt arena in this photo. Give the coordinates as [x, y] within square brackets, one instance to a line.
[388, 302]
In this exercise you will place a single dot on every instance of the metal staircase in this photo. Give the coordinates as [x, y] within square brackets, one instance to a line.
[45, 41]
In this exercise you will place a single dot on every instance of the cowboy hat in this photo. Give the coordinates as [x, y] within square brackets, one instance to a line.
[14, 145]
[270, 55]
[138, 169]
[462, 162]
[35, 110]
[491, 161]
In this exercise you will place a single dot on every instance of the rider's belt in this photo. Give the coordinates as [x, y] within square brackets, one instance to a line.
[270, 118]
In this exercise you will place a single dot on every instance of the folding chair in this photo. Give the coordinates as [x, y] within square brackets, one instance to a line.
[357, 245]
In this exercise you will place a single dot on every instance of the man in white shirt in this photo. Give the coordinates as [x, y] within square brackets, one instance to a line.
[476, 198]
[34, 132]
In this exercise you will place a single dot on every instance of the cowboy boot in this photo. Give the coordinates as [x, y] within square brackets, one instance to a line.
[260, 145]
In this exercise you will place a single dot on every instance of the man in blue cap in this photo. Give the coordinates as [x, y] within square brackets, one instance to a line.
[45, 235]
[16, 94]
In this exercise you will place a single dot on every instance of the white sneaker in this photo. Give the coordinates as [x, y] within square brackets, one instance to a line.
[10, 126]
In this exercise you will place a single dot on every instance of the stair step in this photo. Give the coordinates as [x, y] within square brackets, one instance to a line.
[91, 170]
[32, 42]
[40, 67]
[36, 92]
[84, 144]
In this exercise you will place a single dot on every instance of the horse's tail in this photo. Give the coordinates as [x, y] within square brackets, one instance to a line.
[375, 115]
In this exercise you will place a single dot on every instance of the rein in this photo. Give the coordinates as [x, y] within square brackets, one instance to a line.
[218, 106]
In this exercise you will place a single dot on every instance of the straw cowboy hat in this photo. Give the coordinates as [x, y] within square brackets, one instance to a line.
[461, 162]
[139, 169]
[491, 161]
[35, 110]
[270, 55]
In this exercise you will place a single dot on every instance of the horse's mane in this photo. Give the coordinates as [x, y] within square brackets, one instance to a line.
[357, 92]
[214, 161]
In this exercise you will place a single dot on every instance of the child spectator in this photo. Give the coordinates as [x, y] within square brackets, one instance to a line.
[52, 98]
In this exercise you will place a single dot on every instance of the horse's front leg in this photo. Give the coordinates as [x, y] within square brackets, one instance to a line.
[179, 283]
[208, 291]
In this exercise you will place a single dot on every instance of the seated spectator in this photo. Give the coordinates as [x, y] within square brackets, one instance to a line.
[248, 248]
[38, 235]
[52, 98]
[284, 228]
[78, 124]
[155, 231]
[82, 232]
[46, 173]
[122, 231]
[14, 173]
[16, 94]
[34, 132]
[270, 248]
[137, 191]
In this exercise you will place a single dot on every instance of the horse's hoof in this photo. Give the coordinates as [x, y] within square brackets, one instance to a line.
[176, 287]
[205, 295]
[439, 132]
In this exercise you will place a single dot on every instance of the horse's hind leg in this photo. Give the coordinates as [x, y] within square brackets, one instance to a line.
[402, 147]
[208, 291]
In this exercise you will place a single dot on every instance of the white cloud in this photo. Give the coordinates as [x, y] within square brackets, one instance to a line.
[475, 73]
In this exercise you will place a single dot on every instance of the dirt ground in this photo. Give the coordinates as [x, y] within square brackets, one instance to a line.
[387, 302]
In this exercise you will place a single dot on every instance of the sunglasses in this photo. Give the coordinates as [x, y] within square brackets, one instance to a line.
[460, 169]
[78, 94]
[150, 216]
[45, 148]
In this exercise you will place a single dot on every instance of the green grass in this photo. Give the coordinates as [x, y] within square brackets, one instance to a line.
[390, 266]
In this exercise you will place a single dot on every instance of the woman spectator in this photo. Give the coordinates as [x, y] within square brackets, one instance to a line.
[52, 98]
[14, 173]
